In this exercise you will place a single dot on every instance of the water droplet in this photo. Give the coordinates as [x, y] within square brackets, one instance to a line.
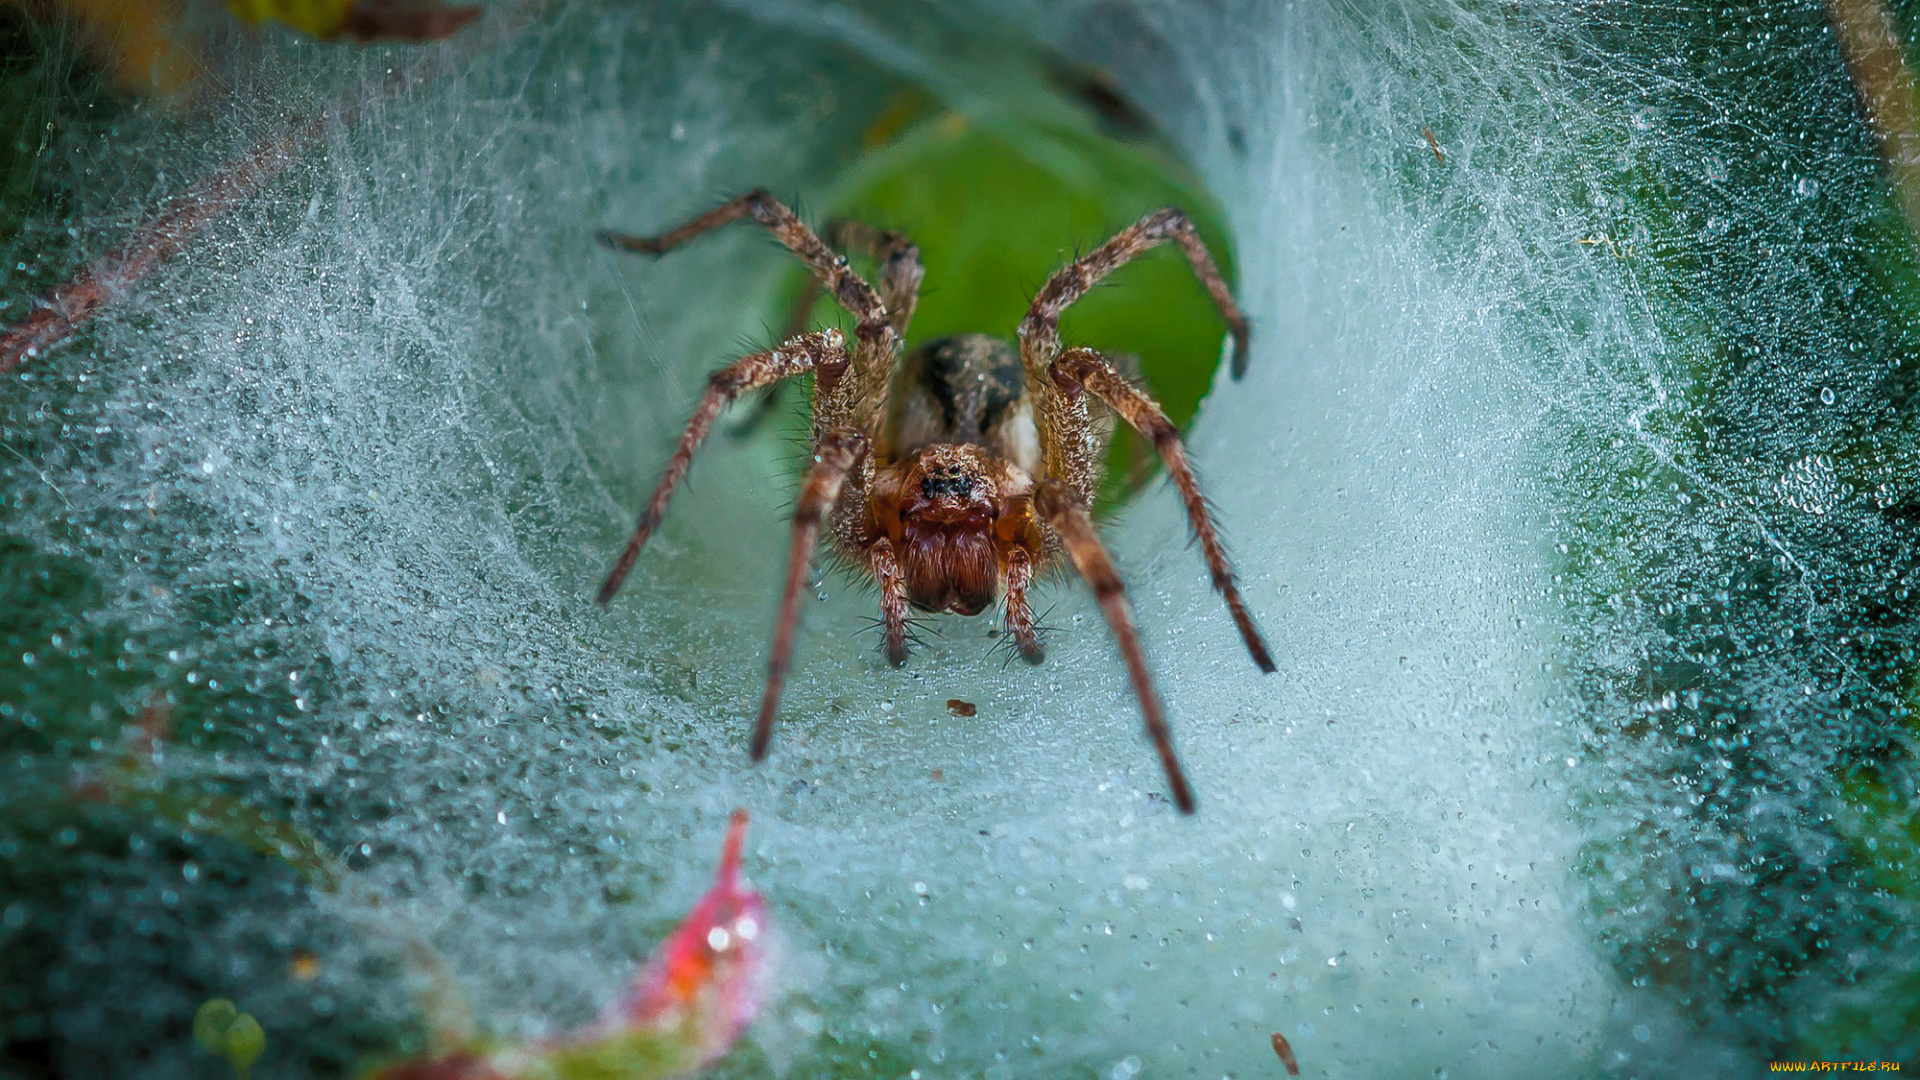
[1810, 485]
[1826, 395]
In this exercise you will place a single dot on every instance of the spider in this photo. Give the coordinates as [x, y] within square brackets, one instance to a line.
[954, 475]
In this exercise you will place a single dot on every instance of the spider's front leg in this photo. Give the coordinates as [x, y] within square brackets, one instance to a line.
[876, 341]
[900, 275]
[900, 268]
[1040, 330]
[824, 353]
[836, 455]
[849, 288]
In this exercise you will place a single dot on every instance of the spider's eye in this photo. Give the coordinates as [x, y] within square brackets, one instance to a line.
[935, 485]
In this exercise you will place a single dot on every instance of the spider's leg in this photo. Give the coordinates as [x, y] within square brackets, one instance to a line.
[1019, 614]
[768, 398]
[1074, 526]
[835, 455]
[857, 403]
[1040, 330]
[730, 211]
[900, 269]
[900, 275]
[809, 352]
[893, 598]
[849, 288]
[1079, 369]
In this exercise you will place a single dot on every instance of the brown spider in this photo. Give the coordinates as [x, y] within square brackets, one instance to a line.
[956, 475]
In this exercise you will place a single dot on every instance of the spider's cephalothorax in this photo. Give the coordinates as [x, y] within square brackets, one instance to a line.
[955, 501]
[954, 475]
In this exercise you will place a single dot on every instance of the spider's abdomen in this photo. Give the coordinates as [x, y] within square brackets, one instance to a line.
[969, 389]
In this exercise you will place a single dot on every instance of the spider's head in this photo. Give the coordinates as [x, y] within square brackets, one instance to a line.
[949, 509]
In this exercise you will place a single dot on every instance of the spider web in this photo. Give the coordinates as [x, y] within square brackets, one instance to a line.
[1572, 484]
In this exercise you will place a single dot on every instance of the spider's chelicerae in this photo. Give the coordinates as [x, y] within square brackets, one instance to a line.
[954, 476]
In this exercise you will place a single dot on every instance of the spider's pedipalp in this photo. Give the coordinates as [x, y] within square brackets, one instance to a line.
[1071, 522]
[808, 352]
[1020, 624]
[836, 455]
[892, 580]
[1085, 369]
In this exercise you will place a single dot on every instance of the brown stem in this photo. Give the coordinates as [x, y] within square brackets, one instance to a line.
[57, 314]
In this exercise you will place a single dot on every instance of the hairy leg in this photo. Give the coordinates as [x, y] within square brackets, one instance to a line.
[900, 275]
[1040, 330]
[817, 353]
[1070, 521]
[768, 399]
[857, 403]
[900, 269]
[1069, 443]
[835, 457]
[892, 580]
[1079, 369]
[1019, 613]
